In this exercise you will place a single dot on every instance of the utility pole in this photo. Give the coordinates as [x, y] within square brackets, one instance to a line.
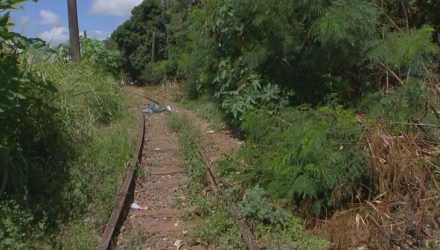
[73, 30]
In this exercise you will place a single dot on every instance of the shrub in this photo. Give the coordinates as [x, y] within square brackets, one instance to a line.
[308, 156]
[157, 72]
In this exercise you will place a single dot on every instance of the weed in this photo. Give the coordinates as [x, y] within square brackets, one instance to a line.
[272, 224]
[190, 140]
[206, 109]
[219, 230]
[303, 155]
[96, 175]
[135, 239]
[79, 235]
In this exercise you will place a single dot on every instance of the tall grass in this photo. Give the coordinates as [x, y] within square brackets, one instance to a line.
[69, 194]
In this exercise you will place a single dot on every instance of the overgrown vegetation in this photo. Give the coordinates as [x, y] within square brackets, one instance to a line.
[65, 140]
[338, 101]
[219, 228]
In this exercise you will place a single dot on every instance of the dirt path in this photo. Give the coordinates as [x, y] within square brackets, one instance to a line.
[158, 186]
[162, 183]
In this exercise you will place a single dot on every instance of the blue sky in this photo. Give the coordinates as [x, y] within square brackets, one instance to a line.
[47, 19]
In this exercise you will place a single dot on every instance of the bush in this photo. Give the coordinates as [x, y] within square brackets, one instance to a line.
[157, 72]
[308, 156]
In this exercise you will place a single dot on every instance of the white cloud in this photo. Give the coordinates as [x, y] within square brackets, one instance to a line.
[97, 34]
[113, 7]
[55, 36]
[48, 17]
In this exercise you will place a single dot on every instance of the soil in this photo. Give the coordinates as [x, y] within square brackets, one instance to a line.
[161, 185]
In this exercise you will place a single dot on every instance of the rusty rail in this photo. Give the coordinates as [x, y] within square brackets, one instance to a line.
[246, 233]
[112, 224]
[121, 203]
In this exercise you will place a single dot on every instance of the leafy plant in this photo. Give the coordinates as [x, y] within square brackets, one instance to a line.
[242, 91]
[255, 206]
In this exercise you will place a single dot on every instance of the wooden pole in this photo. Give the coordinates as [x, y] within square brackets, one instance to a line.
[73, 30]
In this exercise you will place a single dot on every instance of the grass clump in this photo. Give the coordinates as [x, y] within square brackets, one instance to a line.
[275, 227]
[206, 109]
[95, 179]
[221, 230]
[73, 159]
[190, 141]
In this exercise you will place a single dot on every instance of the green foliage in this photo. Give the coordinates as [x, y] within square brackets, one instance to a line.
[136, 36]
[50, 111]
[207, 109]
[256, 207]
[157, 72]
[99, 53]
[313, 48]
[410, 51]
[273, 225]
[240, 92]
[190, 141]
[351, 23]
[14, 225]
[220, 230]
[308, 156]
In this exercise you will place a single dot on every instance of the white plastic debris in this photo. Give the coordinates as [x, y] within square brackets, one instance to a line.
[136, 206]
[210, 132]
[178, 244]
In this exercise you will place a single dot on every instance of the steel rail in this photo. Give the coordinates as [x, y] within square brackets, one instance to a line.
[121, 203]
[115, 219]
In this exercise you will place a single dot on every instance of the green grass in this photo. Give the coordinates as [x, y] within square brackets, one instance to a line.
[206, 109]
[190, 140]
[135, 239]
[91, 138]
[218, 228]
[94, 113]
[96, 179]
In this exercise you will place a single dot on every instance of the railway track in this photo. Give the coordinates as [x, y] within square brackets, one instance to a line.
[125, 194]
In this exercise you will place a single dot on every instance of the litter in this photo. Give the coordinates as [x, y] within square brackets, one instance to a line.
[210, 132]
[136, 206]
[178, 244]
[156, 108]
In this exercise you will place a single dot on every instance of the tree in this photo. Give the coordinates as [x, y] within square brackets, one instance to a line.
[145, 30]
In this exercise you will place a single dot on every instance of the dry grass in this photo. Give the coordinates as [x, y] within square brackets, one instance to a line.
[404, 214]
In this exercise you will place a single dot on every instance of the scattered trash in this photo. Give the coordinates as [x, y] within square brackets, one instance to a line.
[185, 232]
[136, 206]
[156, 108]
[210, 132]
[157, 149]
[178, 244]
